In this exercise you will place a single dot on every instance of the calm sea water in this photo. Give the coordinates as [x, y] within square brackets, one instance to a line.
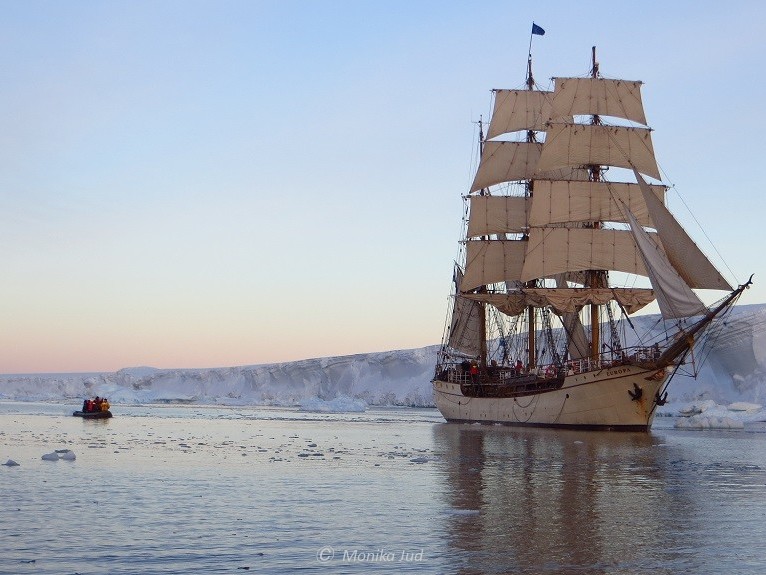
[215, 490]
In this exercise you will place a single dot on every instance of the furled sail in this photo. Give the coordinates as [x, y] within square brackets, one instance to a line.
[465, 327]
[600, 96]
[692, 265]
[578, 345]
[564, 300]
[517, 110]
[571, 145]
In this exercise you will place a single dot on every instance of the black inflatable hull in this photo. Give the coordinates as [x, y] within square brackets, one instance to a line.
[93, 414]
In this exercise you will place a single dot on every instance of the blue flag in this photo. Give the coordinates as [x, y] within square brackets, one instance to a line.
[537, 30]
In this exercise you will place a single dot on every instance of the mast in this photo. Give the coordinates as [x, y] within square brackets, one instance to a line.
[482, 308]
[595, 276]
[531, 325]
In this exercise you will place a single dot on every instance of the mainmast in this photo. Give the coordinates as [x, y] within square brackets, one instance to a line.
[597, 277]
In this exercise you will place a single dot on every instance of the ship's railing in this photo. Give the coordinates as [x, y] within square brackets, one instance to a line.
[455, 372]
[577, 366]
[631, 355]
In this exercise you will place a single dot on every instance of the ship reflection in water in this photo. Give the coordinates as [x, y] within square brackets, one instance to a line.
[552, 501]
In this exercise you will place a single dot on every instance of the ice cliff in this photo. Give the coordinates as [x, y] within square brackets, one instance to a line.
[734, 370]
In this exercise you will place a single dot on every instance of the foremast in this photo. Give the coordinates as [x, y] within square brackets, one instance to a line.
[530, 186]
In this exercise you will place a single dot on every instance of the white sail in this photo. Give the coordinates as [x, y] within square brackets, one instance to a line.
[497, 215]
[600, 96]
[571, 145]
[517, 110]
[553, 251]
[558, 202]
[465, 327]
[675, 298]
[492, 261]
[506, 162]
[692, 265]
[503, 161]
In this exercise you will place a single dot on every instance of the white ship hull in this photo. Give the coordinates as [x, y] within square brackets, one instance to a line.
[602, 399]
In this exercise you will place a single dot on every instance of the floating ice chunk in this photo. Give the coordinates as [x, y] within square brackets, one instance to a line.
[341, 404]
[709, 422]
[51, 456]
[420, 459]
[66, 454]
[744, 406]
[696, 408]
[11, 463]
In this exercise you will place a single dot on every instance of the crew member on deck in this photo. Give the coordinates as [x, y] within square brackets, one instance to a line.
[474, 371]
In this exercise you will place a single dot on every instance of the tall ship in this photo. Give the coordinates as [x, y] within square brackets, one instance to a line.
[567, 234]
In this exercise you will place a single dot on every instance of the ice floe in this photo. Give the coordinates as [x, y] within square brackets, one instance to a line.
[65, 454]
[702, 421]
[744, 406]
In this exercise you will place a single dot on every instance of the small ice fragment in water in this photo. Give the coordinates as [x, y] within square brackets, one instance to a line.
[51, 456]
[66, 454]
[744, 406]
[11, 463]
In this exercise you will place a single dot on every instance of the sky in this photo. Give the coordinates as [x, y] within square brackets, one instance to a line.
[189, 184]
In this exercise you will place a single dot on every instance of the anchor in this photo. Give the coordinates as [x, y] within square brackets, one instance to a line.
[637, 393]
